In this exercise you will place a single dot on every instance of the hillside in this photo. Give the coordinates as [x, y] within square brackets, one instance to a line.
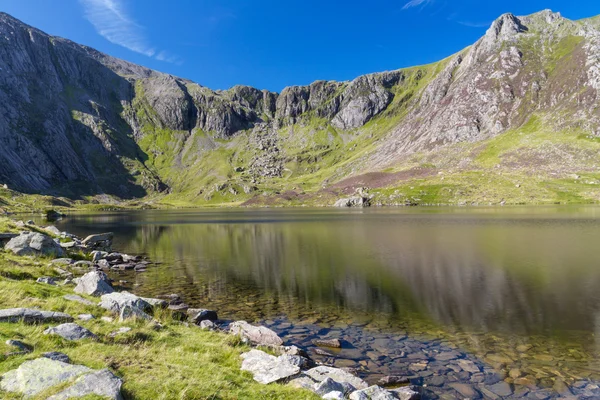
[512, 119]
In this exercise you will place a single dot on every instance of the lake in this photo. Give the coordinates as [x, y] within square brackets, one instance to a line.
[464, 300]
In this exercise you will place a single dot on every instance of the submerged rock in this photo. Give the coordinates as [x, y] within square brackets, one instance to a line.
[256, 334]
[34, 244]
[267, 368]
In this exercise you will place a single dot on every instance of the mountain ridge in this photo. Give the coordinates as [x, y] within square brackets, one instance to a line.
[81, 123]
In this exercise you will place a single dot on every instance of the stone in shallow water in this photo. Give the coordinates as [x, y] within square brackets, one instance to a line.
[501, 389]
[267, 368]
[334, 343]
[464, 389]
[406, 393]
[70, 331]
[468, 366]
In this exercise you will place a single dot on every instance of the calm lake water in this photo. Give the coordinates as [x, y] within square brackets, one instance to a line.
[516, 289]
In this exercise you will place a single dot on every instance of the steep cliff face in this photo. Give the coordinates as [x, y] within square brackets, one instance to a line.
[78, 122]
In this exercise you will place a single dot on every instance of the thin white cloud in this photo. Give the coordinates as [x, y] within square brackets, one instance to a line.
[416, 3]
[111, 20]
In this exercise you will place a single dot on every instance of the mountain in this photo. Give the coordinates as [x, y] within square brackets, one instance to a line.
[513, 118]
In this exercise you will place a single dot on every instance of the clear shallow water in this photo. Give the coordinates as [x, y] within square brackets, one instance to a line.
[515, 288]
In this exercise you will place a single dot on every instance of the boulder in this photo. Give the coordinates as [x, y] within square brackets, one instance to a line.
[256, 334]
[101, 241]
[36, 376]
[79, 299]
[326, 386]
[357, 201]
[131, 312]
[57, 356]
[156, 303]
[322, 372]
[98, 255]
[102, 383]
[204, 315]
[24, 347]
[46, 280]
[34, 244]
[372, 393]
[31, 316]
[267, 368]
[70, 331]
[117, 300]
[53, 230]
[94, 283]
[52, 215]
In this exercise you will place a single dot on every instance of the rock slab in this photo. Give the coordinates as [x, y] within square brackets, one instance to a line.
[267, 368]
[70, 331]
[94, 283]
[256, 334]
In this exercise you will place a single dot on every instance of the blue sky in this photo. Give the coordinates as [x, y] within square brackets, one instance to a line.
[271, 44]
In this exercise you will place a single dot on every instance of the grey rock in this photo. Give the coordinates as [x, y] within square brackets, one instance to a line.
[62, 261]
[372, 393]
[204, 315]
[156, 303]
[53, 230]
[357, 201]
[256, 334]
[267, 368]
[46, 280]
[101, 383]
[33, 377]
[207, 324]
[334, 396]
[85, 317]
[32, 244]
[79, 299]
[406, 393]
[98, 255]
[93, 240]
[501, 389]
[120, 331]
[131, 312]
[323, 372]
[70, 331]
[30, 316]
[94, 283]
[86, 264]
[117, 300]
[333, 343]
[20, 345]
[327, 385]
[57, 356]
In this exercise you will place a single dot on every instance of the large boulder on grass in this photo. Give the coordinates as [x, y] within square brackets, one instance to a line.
[116, 301]
[256, 334]
[94, 283]
[34, 244]
[36, 376]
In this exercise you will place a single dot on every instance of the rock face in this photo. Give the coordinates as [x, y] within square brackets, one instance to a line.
[94, 283]
[256, 334]
[41, 374]
[267, 368]
[33, 243]
[70, 331]
[30, 316]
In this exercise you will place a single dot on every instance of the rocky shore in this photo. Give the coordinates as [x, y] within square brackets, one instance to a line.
[85, 264]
